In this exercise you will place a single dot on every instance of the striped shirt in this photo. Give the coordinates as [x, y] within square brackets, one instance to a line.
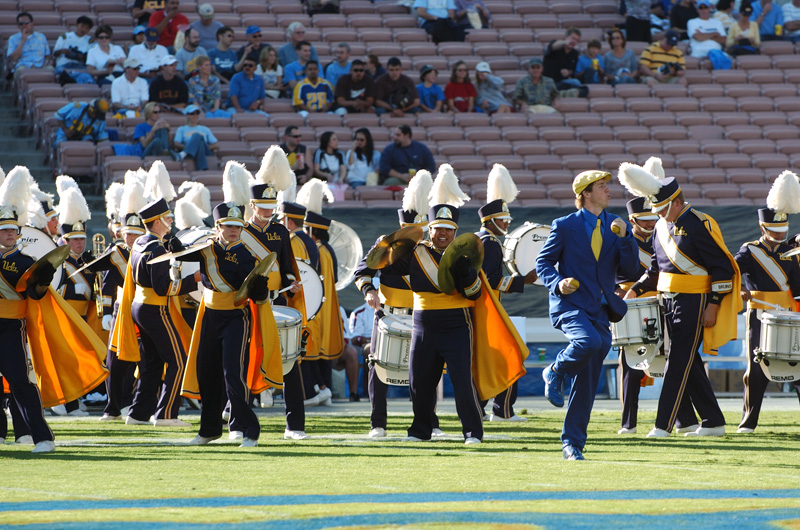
[654, 56]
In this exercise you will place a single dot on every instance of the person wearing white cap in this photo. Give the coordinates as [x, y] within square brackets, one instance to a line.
[129, 92]
[149, 54]
[490, 90]
[207, 27]
[195, 141]
[169, 88]
[105, 61]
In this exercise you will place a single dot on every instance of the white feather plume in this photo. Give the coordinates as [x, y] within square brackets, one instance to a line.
[236, 183]
[784, 196]
[113, 199]
[415, 196]
[36, 215]
[198, 194]
[133, 198]
[638, 181]
[72, 207]
[15, 192]
[311, 194]
[290, 193]
[188, 214]
[158, 184]
[655, 167]
[445, 188]
[275, 169]
[500, 185]
[2, 175]
[63, 182]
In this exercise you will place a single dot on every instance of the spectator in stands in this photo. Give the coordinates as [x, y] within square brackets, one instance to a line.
[70, 52]
[395, 93]
[437, 18]
[362, 159]
[168, 22]
[246, 93]
[138, 37]
[355, 93]
[459, 92]
[105, 61]
[190, 51]
[312, 94]
[295, 71]
[253, 47]
[561, 58]
[680, 15]
[142, 10]
[431, 95]
[743, 35]
[341, 64]
[316, 7]
[296, 153]
[374, 67]
[150, 138]
[82, 121]
[471, 14]
[622, 66]
[637, 20]
[169, 88]
[207, 27]
[403, 158]
[26, 48]
[223, 59]
[535, 92]
[724, 13]
[769, 18]
[271, 72]
[791, 17]
[296, 33]
[129, 92]
[705, 33]
[591, 69]
[329, 160]
[662, 61]
[195, 141]
[150, 54]
[205, 91]
[490, 90]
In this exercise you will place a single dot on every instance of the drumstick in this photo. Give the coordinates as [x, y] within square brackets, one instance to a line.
[776, 306]
[287, 288]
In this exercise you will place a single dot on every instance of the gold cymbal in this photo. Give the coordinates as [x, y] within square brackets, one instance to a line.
[259, 270]
[789, 253]
[55, 257]
[468, 245]
[186, 251]
[394, 246]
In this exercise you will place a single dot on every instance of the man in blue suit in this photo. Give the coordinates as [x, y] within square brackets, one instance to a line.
[589, 247]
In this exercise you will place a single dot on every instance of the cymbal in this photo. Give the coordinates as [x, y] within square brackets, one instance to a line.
[468, 245]
[789, 253]
[55, 257]
[95, 261]
[188, 250]
[394, 246]
[259, 270]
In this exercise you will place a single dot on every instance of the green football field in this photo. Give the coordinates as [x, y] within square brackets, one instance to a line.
[106, 476]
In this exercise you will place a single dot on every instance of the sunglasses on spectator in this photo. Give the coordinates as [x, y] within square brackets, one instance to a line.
[461, 69]
[249, 65]
[357, 70]
[297, 136]
[103, 37]
[194, 113]
[23, 23]
[703, 7]
[256, 35]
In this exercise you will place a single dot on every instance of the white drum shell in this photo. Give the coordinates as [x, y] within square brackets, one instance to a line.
[630, 330]
[289, 322]
[393, 349]
[779, 345]
[656, 366]
[522, 246]
[313, 288]
[35, 243]
[191, 237]
[639, 356]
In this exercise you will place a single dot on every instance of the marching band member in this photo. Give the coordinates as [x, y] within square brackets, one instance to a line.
[191, 212]
[695, 273]
[44, 216]
[113, 197]
[495, 220]
[767, 277]
[588, 246]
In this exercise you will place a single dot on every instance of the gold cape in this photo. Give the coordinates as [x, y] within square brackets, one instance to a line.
[332, 330]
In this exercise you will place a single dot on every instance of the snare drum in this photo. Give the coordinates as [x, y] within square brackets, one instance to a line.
[393, 349]
[522, 246]
[640, 325]
[289, 323]
[778, 349]
[36, 244]
[192, 237]
[313, 289]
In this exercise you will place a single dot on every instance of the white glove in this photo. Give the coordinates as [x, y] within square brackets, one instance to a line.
[107, 322]
[81, 288]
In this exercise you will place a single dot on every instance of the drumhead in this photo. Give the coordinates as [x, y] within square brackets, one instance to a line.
[35, 243]
[313, 289]
[400, 325]
[286, 317]
[522, 246]
[191, 237]
[781, 317]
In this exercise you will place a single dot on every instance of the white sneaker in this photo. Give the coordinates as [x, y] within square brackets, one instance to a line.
[312, 401]
[174, 422]
[625, 430]
[744, 430]
[377, 432]
[437, 433]
[202, 440]
[59, 410]
[24, 440]
[326, 402]
[133, 421]
[235, 435]
[45, 446]
[472, 441]
[658, 433]
[708, 431]
[495, 417]
[412, 439]
[124, 411]
[78, 412]
[295, 435]
[249, 442]
[2, 441]
[688, 428]
[265, 399]
[109, 417]
[325, 396]
[226, 415]
[486, 417]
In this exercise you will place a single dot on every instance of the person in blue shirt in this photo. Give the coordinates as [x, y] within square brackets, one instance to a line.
[769, 18]
[437, 18]
[194, 140]
[339, 67]
[296, 33]
[246, 93]
[223, 58]
[431, 95]
[27, 48]
[294, 72]
[403, 158]
[312, 94]
[82, 121]
[590, 68]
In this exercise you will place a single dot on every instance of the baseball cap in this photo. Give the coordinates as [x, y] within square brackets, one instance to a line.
[672, 37]
[139, 29]
[426, 68]
[535, 60]
[131, 62]
[167, 60]
[191, 108]
[483, 66]
[100, 106]
[205, 10]
[152, 34]
[252, 29]
[703, 3]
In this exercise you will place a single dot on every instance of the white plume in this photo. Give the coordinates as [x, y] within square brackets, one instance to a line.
[637, 180]
[188, 214]
[72, 207]
[784, 196]
[445, 188]
[290, 193]
[275, 169]
[133, 198]
[158, 184]
[198, 194]
[236, 183]
[15, 192]
[655, 167]
[36, 214]
[63, 182]
[2, 175]
[311, 194]
[500, 185]
[415, 196]
[113, 199]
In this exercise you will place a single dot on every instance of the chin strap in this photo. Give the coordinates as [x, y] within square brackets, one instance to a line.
[772, 239]
[498, 228]
[643, 229]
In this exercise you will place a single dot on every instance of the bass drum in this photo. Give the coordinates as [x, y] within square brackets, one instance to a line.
[189, 237]
[36, 244]
[348, 249]
[522, 246]
[313, 288]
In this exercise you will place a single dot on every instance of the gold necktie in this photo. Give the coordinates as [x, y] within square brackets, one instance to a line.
[597, 240]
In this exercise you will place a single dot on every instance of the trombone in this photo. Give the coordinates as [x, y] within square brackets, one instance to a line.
[98, 248]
